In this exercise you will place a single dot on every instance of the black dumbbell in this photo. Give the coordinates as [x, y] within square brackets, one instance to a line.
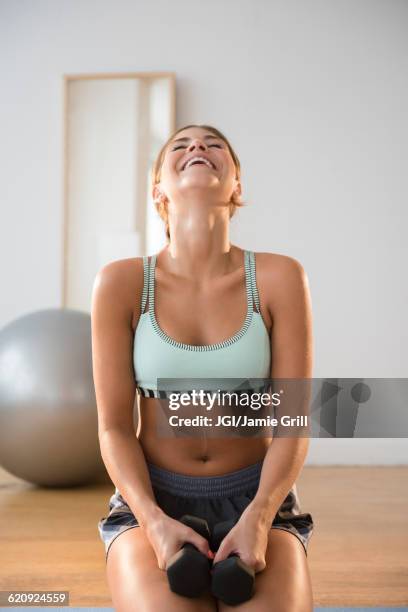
[188, 571]
[232, 580]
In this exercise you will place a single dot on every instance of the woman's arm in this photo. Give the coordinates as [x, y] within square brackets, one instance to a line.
[288, 296]
[292, 358]
[112, 348]
[113, 298]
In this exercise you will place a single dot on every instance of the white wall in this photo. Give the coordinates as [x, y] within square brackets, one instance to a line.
[313, 95]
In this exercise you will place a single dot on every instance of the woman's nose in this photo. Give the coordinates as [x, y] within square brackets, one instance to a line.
[197, 143]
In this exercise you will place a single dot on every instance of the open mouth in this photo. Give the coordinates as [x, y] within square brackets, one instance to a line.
[199, 161]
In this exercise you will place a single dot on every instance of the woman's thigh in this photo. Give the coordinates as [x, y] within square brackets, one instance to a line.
[138, 585]
[284, 585]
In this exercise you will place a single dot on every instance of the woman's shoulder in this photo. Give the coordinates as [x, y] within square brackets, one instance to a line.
[115, 272]
[277, 263]
[122, 279]
[280, 276]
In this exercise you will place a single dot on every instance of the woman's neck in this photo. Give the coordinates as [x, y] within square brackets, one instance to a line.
[200, 244]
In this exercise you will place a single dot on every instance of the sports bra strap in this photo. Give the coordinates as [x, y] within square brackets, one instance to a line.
[151, 282]
[252, 268]
[145, 283]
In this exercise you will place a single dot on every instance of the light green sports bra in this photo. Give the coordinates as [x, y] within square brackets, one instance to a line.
[246, 354]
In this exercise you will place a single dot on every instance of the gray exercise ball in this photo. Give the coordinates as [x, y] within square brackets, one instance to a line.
[48, 415]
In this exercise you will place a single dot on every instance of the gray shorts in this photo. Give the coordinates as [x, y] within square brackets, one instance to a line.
[214, 498]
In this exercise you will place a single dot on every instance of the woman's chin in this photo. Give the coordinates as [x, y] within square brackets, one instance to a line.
[199, 182]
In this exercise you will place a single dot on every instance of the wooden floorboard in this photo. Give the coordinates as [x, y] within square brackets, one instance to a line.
[358, 554]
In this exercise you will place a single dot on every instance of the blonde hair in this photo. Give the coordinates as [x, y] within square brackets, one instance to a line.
[161, 208]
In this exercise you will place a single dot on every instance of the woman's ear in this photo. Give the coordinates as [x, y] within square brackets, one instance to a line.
[158, 196]
[237, 191]
[156, 193]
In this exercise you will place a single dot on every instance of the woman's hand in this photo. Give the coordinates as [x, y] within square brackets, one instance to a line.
[167, 536]
[248, 539]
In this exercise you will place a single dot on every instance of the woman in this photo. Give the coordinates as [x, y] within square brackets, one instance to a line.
[176, 314]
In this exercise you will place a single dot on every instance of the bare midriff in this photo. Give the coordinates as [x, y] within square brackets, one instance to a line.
[201, 455]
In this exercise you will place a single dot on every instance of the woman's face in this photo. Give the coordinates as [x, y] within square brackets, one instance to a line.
[215, 178]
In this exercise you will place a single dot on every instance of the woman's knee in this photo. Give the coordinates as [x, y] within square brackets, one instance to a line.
[138, 585]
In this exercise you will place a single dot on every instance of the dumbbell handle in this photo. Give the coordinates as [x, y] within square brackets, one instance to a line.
[248, 567]
[191, 546]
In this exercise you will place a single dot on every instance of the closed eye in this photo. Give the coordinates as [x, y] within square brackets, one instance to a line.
[183, 146]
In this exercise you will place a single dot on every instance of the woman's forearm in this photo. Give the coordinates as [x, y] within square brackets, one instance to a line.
[281, 466]
[126, 465]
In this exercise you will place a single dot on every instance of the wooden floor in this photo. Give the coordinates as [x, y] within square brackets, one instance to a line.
[358, 554]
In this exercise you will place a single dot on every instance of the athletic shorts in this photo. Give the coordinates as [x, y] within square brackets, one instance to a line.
[214, 498]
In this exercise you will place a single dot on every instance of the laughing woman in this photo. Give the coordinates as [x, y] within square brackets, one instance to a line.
[200, 308]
